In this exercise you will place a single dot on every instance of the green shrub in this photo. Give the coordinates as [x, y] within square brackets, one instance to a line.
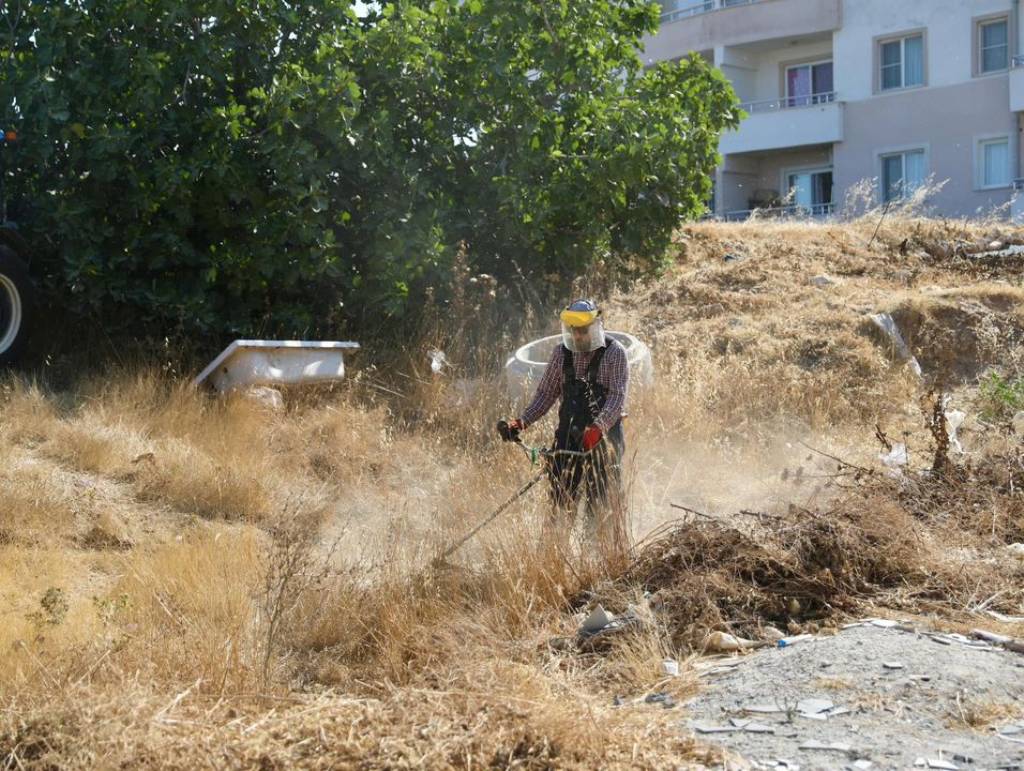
[212, 166]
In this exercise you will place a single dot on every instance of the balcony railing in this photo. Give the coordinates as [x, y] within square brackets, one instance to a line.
[672, 10]
[782, 212]
[789, 102]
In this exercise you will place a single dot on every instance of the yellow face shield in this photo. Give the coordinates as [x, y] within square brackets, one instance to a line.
[578, 318]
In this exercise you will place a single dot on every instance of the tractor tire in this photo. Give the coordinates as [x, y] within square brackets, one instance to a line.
[16, 305]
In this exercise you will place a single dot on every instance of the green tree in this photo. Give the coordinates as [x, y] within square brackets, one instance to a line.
[222, 166]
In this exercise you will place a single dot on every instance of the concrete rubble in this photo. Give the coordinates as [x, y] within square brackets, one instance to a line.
[896, 704]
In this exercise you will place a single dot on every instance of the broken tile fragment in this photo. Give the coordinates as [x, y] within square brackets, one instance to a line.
[710, 728]
[814, 744]
[814, 706]
[814, 715]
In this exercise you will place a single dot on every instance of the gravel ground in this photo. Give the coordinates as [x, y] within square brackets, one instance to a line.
[909, 698]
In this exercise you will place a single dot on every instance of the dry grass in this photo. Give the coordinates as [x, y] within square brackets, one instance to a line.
[979, 715]
[190, 581]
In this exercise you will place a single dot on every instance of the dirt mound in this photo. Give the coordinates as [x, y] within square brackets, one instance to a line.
[957, 334]
[773, 319]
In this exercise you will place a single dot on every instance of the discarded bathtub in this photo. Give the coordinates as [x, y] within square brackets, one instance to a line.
[524, 369]
[276, 362]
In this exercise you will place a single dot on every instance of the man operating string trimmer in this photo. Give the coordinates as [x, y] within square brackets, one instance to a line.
[590, 373]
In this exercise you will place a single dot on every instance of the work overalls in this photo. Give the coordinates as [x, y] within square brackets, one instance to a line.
[599, 475]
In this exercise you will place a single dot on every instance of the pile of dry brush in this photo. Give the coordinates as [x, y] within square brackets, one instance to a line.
[927, 541]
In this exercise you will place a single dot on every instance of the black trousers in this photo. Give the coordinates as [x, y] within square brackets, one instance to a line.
[598, 476]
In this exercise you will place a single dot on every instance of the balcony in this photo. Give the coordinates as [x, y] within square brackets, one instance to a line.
[814, 211]
[1017, 84]
[778, 124]
[699, 25]
[673, 10]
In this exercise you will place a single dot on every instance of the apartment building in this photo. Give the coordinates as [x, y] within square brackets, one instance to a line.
[840, 91]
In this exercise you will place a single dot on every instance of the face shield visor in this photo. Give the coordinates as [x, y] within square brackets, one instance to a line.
[583, 338]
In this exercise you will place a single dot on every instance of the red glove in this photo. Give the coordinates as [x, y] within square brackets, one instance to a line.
[591, 437]
[509, 429]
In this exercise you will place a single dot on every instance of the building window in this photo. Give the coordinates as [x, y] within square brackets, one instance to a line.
[901, 62]
[808, 84]
[994, 162]
[993, 46]
[811, 190]
[902, 173]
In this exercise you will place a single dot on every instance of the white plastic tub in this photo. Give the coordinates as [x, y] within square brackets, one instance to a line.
[526, 367]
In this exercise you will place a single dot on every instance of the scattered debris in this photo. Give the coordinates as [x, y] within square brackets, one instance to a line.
[438, 361]
[598, 628]
[762, 691]
[954, 637]
[786, 642]
[1010, 643]
[763, 709]
[662, 698]
[892, 665]
[1004, 618]
[814, 706]
[896, 457]
[670, 667]
[814, 744]
[735, 725]
[942, 764]
[751, 727]
[954, 419]
[718, 667]
[708, 728]
[723, 642]
[596, 621]
[887, 326]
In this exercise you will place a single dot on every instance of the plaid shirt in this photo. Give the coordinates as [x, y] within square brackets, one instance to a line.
[612, 373]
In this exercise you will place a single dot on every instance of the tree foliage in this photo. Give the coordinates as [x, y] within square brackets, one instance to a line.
[217, 166]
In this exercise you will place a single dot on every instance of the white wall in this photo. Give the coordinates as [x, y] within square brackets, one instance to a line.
[740, 68]
[948, 41]
[781, 129]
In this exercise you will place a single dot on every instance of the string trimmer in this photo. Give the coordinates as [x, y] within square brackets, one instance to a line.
[535, 454]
